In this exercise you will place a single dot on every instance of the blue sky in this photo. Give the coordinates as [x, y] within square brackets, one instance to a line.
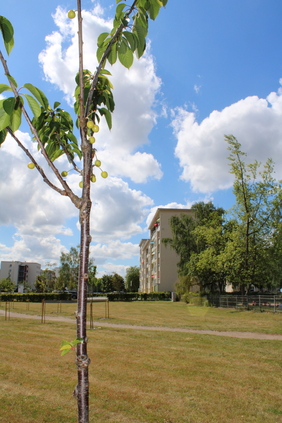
[212, 68]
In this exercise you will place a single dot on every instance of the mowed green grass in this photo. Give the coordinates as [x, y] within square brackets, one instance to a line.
[166, 313]
[139, 376]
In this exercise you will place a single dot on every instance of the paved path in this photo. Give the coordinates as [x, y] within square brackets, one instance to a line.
[97, 324]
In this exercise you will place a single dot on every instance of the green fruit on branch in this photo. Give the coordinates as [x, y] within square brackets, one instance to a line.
[95, 128]
[97, 163]
[93, 178]
[90, 124]
[64, 173]
[104, 174]
[91, 140]
[80, 184]
[31, 165]
[71, 14]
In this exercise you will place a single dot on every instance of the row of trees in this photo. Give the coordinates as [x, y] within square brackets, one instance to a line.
[68, 276]
[243, 246]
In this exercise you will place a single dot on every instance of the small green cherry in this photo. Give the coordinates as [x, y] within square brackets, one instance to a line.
[80, 184]
[31, 165]
[64, 173]
[95, 128]
[104, 174]
[97, 163]
[90, 124]
[71, 14]
[92, 140]
[93, 178]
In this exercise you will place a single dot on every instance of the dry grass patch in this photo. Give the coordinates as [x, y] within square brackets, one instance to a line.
[139, 376]
[165, 313]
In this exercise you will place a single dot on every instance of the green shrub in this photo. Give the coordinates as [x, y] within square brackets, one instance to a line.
[36, 297]
[196, 299]
[134, 296]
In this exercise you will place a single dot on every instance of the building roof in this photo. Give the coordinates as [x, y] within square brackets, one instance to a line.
[165, 209]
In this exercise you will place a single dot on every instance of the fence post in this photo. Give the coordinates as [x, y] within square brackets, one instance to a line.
[274, 303]
[91, 315]
[43, 312]
[7, 310]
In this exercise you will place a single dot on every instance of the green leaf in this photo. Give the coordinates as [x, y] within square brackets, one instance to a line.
[66, 347]
[16, 119]
[33, 104]
[125, 55]
[118, 1]
[72, 137]
[131, 38]
[140, 33]
[154, 9]
[99, 53]
[7, 33]
[105, 72]
[4, 87]
[38, 94]
[64, 352]
[3, 135]
[57, 153]
[4, 120]
[12, 80]
[4, 117]
[105, 112]
[56, 104]
[112, 56]
[119, 10]
[9, 105]
[102, 38]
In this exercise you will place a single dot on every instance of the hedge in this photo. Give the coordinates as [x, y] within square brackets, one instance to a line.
[135, 296]
[36, 297]
[65, 296]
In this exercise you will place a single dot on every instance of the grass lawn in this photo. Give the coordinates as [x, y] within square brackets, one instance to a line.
[166, 313]
[141, 376]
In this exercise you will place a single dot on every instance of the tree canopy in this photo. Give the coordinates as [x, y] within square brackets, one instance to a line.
[132, 276]
[241, 247]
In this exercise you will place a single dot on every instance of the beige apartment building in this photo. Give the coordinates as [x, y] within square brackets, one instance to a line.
[21, 273]
[158, 263]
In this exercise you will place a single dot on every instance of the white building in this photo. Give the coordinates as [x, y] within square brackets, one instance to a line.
[158, 263]
[21, 273]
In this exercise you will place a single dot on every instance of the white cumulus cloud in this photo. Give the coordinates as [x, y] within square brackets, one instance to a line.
[202, 151]
[135, 92]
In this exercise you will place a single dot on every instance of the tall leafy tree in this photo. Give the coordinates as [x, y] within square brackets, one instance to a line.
[6, 285]
[204, 264]
[132, 278]
[107, 283]
[118, 282]
[257, 214]
[53, 130]
[69, 269]
[47, 281]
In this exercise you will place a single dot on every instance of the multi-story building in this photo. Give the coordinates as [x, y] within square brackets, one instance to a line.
[158, 263]
[21, 273]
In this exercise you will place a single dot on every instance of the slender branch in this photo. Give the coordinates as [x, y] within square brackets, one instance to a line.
[74, 198]
[39, 168]
[106, 52]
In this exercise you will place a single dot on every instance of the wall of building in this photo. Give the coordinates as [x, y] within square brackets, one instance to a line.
[20, 273]
[158, 263]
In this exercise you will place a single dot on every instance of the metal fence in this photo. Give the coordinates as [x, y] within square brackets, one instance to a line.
[249, 302]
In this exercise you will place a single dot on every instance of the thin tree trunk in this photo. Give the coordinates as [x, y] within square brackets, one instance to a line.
[82, 359]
